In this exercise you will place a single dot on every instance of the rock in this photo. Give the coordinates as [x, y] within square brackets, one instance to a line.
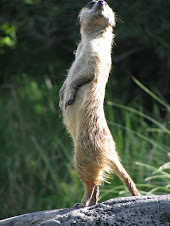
[141, 210]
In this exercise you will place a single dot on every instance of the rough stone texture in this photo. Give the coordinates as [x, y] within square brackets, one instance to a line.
[144, 210]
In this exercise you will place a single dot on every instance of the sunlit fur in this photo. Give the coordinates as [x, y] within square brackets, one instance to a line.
[94, 146]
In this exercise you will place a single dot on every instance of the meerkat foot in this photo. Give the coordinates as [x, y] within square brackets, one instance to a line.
[94, 198]
[79, 205]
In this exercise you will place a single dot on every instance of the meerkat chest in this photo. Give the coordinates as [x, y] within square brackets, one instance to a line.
[101, 47]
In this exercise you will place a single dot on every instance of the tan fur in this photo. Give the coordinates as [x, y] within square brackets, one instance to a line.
[81, 103]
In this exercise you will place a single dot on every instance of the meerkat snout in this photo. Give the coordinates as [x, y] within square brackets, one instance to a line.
[101, 3]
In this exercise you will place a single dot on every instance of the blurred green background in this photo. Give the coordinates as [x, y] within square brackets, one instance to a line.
[37, 40]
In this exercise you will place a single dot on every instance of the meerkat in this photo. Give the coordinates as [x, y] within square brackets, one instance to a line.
[81, 103]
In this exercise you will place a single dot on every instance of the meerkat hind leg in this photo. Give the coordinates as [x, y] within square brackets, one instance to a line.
[95, 196]
[88, 194]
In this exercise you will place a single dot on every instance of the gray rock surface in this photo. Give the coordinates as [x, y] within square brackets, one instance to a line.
[143, 210]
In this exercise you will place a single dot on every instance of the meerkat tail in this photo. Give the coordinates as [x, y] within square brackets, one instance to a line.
[125, 178]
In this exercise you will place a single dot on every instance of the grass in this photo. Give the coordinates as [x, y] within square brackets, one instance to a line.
[36, 165]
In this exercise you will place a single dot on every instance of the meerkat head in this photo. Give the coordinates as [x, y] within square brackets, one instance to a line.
[96, 15]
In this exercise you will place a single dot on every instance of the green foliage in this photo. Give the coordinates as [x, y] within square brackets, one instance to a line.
[44, 37]
[9, 38]
[158, 182]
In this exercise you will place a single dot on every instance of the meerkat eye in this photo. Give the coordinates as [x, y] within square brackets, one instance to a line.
[90, 4]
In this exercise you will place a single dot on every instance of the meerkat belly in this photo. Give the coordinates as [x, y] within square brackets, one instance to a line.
[93, 138]
[73, 114]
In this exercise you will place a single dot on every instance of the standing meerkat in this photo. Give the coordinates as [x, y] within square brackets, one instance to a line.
[81, 103]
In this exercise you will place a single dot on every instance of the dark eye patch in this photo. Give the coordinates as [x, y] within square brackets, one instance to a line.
[90, 4]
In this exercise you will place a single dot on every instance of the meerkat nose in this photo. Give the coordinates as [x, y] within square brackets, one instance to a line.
[101, 2]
